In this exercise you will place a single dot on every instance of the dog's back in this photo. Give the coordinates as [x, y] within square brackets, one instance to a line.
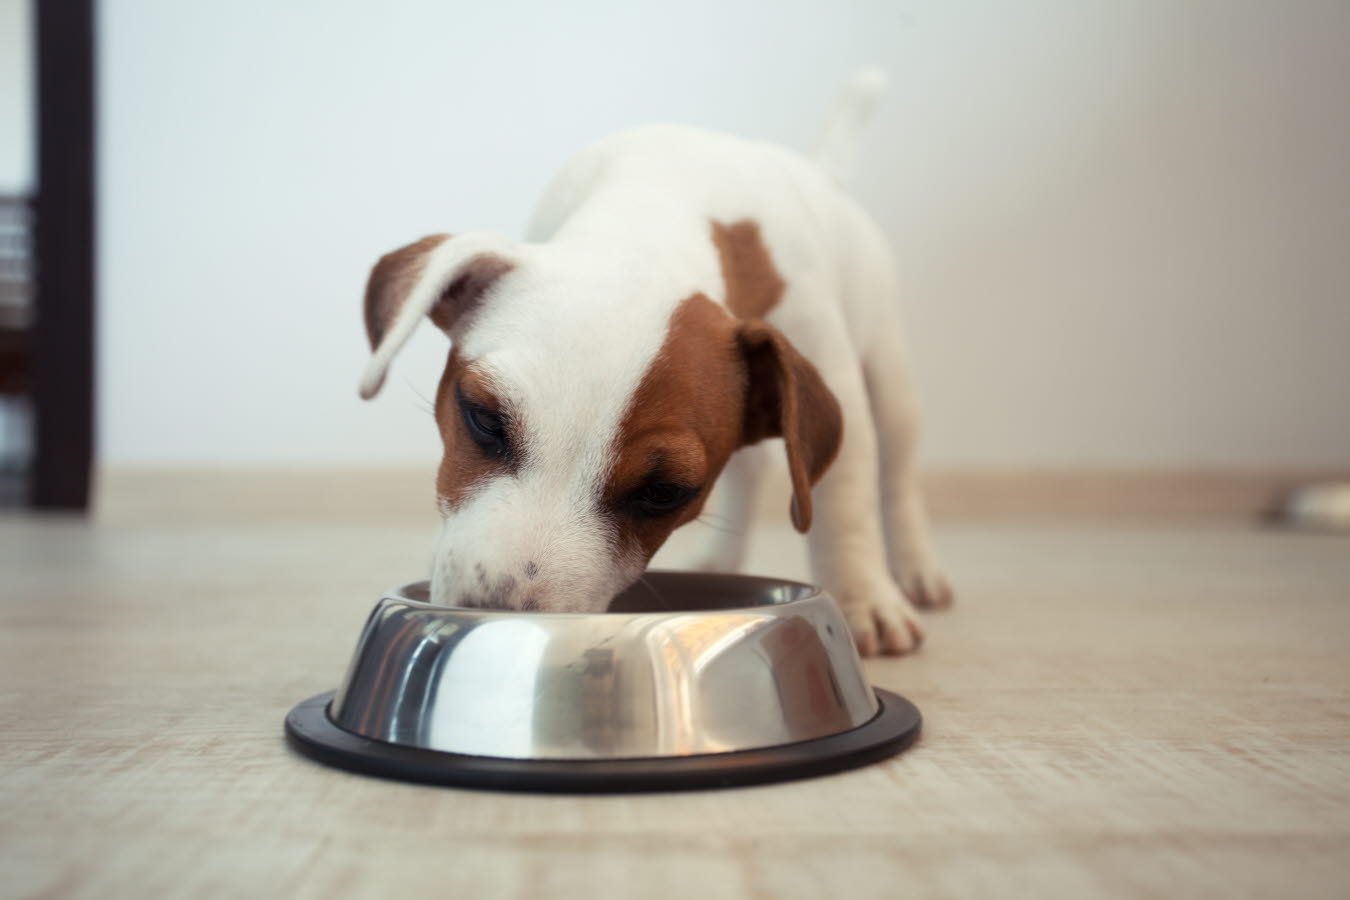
[678, 180]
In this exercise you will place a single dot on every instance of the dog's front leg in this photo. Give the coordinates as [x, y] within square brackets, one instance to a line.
[848, 551]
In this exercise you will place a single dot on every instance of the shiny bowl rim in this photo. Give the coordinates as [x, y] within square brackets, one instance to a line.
[810, 592]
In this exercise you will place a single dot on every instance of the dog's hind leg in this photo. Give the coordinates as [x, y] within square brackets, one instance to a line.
[894, 410]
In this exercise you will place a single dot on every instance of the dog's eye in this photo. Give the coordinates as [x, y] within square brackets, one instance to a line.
[659, 498]
[486, 428]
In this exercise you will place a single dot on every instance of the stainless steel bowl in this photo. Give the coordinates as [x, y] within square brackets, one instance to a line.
[685, 666]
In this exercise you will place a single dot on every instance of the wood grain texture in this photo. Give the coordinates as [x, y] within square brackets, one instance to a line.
[1135, 711]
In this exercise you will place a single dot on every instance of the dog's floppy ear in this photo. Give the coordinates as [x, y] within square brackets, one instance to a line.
[439, 276]
[787, 398]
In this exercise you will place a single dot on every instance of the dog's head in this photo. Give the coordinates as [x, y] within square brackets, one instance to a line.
[578, 431]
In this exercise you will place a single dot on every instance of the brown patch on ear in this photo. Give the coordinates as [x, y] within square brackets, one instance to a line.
[463, 464]
[467, 288]
[684, 421]
[393, 277]
[787, 398]
[753, 284]
[390, 282]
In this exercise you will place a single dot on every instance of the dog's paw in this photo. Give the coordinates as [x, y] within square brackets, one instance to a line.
[881, 619]
[927, 588]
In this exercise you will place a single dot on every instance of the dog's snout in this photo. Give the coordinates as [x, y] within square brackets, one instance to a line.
[557, 562]
[506, 592]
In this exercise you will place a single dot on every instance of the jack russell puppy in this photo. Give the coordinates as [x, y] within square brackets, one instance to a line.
[683, 296]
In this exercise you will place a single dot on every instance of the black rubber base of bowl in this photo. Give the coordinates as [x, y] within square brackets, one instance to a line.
[893, 729]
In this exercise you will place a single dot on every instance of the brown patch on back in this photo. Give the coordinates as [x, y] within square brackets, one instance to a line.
[753, 284]
[463, 465]
[684, 421]
[394, 276]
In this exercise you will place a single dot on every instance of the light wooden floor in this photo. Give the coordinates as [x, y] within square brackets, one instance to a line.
[1123, 711]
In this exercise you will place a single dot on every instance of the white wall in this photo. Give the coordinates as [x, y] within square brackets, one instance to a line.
[1126, 226]
[16, 99]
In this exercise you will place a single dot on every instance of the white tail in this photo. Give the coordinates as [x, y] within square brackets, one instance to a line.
[839, 141]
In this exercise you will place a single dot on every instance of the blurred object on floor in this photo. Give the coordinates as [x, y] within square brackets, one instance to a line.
[1319, 506]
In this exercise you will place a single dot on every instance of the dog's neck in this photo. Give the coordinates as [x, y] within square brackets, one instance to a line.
[643, 237]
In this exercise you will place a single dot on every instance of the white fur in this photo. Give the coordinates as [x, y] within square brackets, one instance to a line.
[619, 239]
[569, 387]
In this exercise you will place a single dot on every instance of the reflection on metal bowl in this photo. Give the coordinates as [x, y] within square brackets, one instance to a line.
[686, 667]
